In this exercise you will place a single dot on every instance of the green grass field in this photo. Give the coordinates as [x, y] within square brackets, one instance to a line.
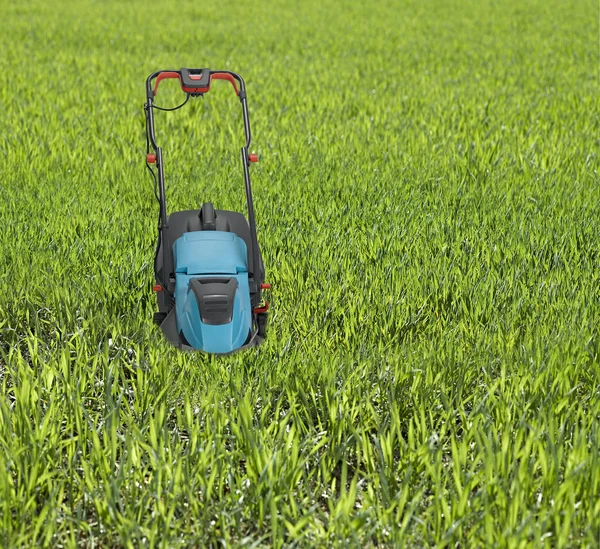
[427, 200]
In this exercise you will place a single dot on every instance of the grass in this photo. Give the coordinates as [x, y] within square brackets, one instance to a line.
[428, 209]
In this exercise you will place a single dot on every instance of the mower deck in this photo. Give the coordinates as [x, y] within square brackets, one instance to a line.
[189, 221]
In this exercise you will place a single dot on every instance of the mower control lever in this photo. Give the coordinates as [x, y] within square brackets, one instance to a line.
[199, 80]
[195, 78]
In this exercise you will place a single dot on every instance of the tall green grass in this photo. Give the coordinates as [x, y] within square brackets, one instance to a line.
[428, 209]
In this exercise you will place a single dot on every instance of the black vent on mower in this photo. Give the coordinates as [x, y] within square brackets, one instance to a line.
[215, 298]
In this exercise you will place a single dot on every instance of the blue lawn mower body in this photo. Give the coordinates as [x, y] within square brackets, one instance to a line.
[208, 267]
[213, 312]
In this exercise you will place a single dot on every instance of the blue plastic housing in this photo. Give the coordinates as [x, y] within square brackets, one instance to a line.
[210, 254]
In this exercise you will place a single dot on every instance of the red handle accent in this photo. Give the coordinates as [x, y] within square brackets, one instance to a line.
[214, 76]
[263, 309]
[157, 288]
[196, 90]
[265, 286]
[253, 157]
[164, 76]
[225, 76]
[151, 158]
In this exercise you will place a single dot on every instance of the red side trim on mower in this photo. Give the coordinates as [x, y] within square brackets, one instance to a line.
[214, 76]
[263, 309]
[157, 288]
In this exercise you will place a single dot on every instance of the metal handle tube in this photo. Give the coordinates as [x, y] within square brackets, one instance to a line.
[249, 200]
[252, 223]
[163, 218]
[150, 118]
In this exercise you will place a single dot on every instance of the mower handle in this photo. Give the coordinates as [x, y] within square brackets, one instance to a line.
[195, 82]
[202, 76]
[191, 80]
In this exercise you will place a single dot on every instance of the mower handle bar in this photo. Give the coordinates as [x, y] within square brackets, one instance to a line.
[197, 82]
[194, 81]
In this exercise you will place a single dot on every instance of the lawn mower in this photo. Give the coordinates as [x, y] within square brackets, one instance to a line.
[208, 266]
